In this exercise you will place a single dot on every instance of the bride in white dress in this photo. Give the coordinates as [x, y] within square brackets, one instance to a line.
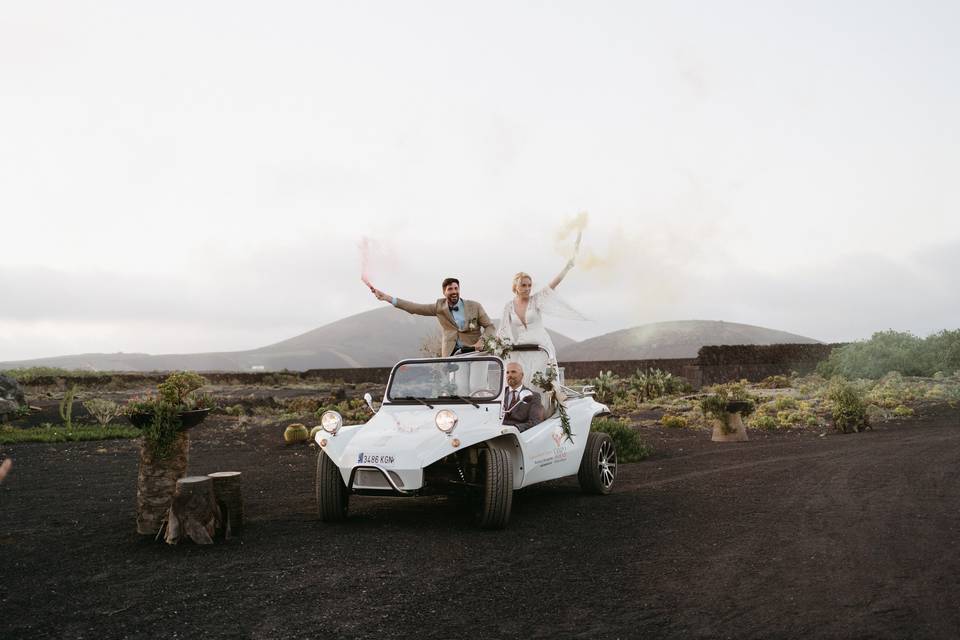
[522, 318]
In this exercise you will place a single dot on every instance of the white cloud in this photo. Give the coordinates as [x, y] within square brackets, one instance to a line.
[208, 165]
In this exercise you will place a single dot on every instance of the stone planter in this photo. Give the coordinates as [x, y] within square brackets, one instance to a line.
[734, 430]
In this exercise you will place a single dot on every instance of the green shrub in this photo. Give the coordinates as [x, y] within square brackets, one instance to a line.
[353, 411]
[714, 405]
[304, 404]
[102, 410]
[606, 386]
[847, 407]
[178, 386]
[789, 418]
[903, 412]
[673, 422]
[235, 410]
[785, 403]
[767, 423]
[897, 351]
[66, 407]
[775, 382]
[655, 383]
[49, 433]
[630, 447]
[27, 375]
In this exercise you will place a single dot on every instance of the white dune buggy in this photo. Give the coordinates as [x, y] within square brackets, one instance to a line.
[440, 430]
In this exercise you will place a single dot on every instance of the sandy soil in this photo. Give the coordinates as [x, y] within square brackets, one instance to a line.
[788, 535]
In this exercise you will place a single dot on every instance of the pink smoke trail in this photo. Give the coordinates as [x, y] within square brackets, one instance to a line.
[365, 261]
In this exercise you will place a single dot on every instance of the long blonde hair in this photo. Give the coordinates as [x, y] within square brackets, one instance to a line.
[517, 278]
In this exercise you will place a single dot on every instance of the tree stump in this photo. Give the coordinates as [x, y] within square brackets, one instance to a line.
[194, 512]
[157, 483]
[226, 489]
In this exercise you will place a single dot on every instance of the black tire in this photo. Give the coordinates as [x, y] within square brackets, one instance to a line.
[332, 495]
[598, 468]
[497, 497]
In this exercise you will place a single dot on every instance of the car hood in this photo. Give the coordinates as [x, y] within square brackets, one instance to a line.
[408, 437]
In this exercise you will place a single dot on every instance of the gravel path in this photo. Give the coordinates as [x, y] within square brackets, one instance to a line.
[783, 536]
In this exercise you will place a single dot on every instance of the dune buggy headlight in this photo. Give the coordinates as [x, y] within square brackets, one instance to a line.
[331, 421]
[446, 420]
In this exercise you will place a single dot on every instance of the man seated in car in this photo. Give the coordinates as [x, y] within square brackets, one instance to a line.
[522, 406]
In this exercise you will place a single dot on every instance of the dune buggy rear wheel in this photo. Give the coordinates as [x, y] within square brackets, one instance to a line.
[496, 497]
[332, 495]
[598, 468]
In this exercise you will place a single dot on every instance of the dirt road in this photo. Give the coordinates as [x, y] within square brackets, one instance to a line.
[784, 536]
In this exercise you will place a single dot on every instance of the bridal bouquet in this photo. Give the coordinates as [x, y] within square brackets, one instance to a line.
[500, 347]
[548, 382]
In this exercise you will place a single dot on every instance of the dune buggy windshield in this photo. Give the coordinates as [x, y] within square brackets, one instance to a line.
[456, 380]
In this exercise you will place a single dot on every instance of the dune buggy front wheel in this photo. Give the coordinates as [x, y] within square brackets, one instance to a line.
[496, 497]
[332, 496]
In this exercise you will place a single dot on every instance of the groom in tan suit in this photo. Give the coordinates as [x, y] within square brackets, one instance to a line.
[463, 322]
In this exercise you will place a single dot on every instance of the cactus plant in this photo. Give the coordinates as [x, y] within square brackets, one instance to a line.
[296, 432]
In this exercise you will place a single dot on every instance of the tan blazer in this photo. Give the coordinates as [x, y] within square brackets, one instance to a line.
[474, 315]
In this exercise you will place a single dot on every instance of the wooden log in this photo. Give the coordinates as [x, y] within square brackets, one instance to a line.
[157, 483]
[194, 512]
[226, 489]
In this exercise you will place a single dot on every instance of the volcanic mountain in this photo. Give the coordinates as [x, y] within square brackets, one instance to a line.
[677, 339]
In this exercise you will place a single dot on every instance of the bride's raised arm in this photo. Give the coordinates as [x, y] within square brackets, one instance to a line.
[556, 281]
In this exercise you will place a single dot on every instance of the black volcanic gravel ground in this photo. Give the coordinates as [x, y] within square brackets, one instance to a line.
[788, 535]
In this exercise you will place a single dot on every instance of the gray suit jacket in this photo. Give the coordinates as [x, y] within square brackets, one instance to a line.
[526, 413]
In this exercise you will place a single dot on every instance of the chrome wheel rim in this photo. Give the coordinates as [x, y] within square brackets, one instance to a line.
[607, 464]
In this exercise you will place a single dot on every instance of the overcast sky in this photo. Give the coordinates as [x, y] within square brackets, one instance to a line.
[198, 176]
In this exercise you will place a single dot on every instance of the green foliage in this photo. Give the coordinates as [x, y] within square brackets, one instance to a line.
[27, 375]
[178, 386]
[893, 390]
[897, 351]
[235, 410]
[767, 423]
[353, 411]
[630, 447]
[102, 410]
[304, 405]
[159, 434]
[655, 383]
[775, 382]
[903, 412]
[49, 433]
[714, 405]
[673, 422]
[606, 386]
[176, 395]
[785, 403]
[847, 407]
[66, 407]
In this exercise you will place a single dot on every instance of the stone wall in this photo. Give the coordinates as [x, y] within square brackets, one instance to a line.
[712, 365]
[581, 370]
[716, 364]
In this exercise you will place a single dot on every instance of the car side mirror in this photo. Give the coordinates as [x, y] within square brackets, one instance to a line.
[369, 400]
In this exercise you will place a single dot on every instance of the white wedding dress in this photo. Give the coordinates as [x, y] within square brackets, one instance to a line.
[531, 329]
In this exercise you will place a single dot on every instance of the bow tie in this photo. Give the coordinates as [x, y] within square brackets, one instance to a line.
[454, 307]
